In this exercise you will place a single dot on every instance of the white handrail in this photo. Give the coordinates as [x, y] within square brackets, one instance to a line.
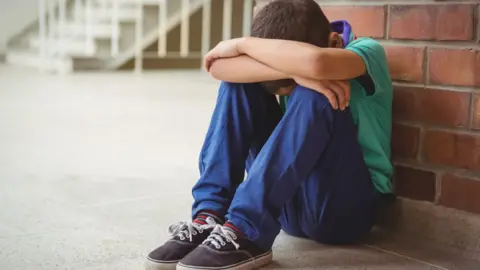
[42, 30]
[206, 25]
[115, 21]
[51, 26]
[60, 29]
[247, 17]
[89, 47]
[185, 29]
[227, 19]
[138, 39]
[162, 34]
[78, 7]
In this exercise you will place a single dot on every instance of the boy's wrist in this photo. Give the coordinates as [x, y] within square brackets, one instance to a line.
[242, 44]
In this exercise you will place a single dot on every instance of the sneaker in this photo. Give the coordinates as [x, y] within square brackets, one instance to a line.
[186, 236]
[226, 249]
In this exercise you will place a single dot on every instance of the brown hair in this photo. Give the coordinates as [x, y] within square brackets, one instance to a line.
[297, 20]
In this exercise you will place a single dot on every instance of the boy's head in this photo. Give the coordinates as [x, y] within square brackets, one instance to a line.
[297, 20]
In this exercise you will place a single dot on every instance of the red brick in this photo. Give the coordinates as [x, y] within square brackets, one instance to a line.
[431, 106]
[412, 21]
[429, 22]
[455, 22]
[415, 184]
[450, 66]
[367, 21]
[444, 108]
[405, 141]
[404, 103]
[476, 112]
[406, 63]
[452, 149]
[460, 193]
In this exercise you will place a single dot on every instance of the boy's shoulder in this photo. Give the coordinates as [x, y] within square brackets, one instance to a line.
[367, 45]
[374, 56]
[371, 51]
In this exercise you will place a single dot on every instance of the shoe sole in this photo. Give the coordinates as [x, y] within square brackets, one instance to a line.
[258, 262]
[153, 265]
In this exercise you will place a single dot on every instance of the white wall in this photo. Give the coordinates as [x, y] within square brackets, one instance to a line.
[15, 15]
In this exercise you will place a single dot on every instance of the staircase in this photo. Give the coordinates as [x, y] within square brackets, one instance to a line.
[76, 35]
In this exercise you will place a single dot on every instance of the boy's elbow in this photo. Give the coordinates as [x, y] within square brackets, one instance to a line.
[215, 72]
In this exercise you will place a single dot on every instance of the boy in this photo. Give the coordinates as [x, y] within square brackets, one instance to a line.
[315, 171]
[282, 21]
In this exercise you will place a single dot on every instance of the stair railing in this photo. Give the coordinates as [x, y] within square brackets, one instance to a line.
[186, 6]
[55, 14]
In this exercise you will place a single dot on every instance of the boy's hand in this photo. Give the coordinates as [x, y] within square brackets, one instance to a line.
[337, 92]
[224, 49]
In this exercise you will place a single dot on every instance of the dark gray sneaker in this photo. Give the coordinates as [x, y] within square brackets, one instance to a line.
[224, 249]
[186, 236]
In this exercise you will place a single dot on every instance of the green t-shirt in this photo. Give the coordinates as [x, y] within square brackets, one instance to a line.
[372, 111]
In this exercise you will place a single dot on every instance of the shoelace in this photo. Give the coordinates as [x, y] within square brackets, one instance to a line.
[188, 229]
[219, 235]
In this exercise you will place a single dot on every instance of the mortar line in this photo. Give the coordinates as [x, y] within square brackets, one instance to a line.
[454, 88]
[459, 45]
[387, 21]
[404, 256]
[471, 109]
[438, 187]
[426, 65]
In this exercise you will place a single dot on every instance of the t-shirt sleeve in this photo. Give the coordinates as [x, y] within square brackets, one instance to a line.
[375, 60]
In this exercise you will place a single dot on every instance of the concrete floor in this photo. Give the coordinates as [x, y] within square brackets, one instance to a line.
[94, 167]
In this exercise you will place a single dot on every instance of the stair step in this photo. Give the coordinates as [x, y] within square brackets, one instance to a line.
[32, 59]
[71, 47]
[99, 30]
[125, 14]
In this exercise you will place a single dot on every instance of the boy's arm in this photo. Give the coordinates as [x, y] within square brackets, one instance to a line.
[301, 59]
[243, 69]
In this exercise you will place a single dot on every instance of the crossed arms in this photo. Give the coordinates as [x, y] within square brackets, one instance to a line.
[250, 60]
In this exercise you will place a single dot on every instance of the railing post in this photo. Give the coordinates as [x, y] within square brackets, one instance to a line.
[206, 27]
[62, 9]
[139, 39]
[89, 47]
[42, 26]
[78, 10]
[247, 17]
[162, 29]
[227, 19]
[115, 28]
[185, 29]
[51, 27]
[105, 7]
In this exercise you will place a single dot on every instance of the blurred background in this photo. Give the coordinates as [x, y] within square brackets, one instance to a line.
[66, 36]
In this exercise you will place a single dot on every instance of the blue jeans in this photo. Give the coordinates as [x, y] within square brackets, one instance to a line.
[305, 169]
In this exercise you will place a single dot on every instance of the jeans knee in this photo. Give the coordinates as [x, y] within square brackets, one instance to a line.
[301, 93]
[229, 86]
[330, 235]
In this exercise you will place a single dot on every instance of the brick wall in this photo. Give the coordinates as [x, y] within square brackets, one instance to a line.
[433, 49]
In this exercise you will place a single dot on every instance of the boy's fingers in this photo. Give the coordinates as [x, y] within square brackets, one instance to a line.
[207, 63]
[339, 93]
[347, 90]
[332, 98]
